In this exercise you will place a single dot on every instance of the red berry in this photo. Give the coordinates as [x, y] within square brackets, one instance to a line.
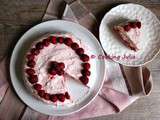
[33, 79]
[84, 79]
[31, 63]
[84, 57]
[61, 97]
[60, 72]
[37, 87]
[46, 96]
[35, 51]
[74, 46]
[127, 28]
[67, 95]
[54, 40]
[60, 40]
[53, 64]
[68, 41]
[86, 72]
[30, 57]
[138, 24]
[86, 66]
[57, 69]
[41, 93]
[30, 71]
[53, 72]
[46, 42]
[132, 24]
[53, 98]
[39, 46]
[61, 65]
[80, 51]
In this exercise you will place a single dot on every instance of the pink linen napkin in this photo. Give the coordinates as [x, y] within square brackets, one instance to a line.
[122, 86]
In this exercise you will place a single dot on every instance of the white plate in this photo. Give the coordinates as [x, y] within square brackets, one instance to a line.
[97, 66]
[149, 41]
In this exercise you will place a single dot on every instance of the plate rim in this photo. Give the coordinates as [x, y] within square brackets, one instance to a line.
[11, 68]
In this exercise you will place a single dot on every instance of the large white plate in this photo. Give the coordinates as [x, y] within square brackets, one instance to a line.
[97, 66]
[149, 41]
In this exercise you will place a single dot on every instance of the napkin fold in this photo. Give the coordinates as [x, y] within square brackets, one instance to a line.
[122, 86]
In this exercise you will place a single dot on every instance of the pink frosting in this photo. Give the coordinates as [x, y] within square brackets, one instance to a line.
[60, 53]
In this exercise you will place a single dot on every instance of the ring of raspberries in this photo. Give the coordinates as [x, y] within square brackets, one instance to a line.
[55, 67]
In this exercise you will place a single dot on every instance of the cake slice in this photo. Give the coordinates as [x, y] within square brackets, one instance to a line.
[52, 61]
[129, 33]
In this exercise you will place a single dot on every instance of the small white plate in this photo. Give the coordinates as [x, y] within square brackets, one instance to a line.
[97, 66]
[149, 41]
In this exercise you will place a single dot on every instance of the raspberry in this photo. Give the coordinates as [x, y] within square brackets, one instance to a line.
[53, 72]
[132, 24]
[54, 40]
[84, 57]
[56, 68]
[46, 96]
[49, 39]
[127, 28]
[84, 79]
[74, 46]
[86, 66]
[67, 95]
[60, 72]
[30, 57]
[138, 24]
[53, 64]
[30, 71]
[35, 51]
[61, 97]
[31, 63]
[86, 72]
[60, 40]
[46, 42]
[68, 41]
[53, 98]
[33, 79]
[80, 51]
[41, 93]
[39, 46]
[37, 87]
[61, 65]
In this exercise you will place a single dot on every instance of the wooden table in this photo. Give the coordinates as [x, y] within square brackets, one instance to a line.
[17, 16]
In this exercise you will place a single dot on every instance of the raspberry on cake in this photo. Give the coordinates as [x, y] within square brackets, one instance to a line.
[129, 33]
[51, 60]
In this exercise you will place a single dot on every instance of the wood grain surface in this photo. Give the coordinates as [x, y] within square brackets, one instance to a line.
[17, 16]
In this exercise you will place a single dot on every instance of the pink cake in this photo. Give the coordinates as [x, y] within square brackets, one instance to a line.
[129, 33]
[50, 62]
